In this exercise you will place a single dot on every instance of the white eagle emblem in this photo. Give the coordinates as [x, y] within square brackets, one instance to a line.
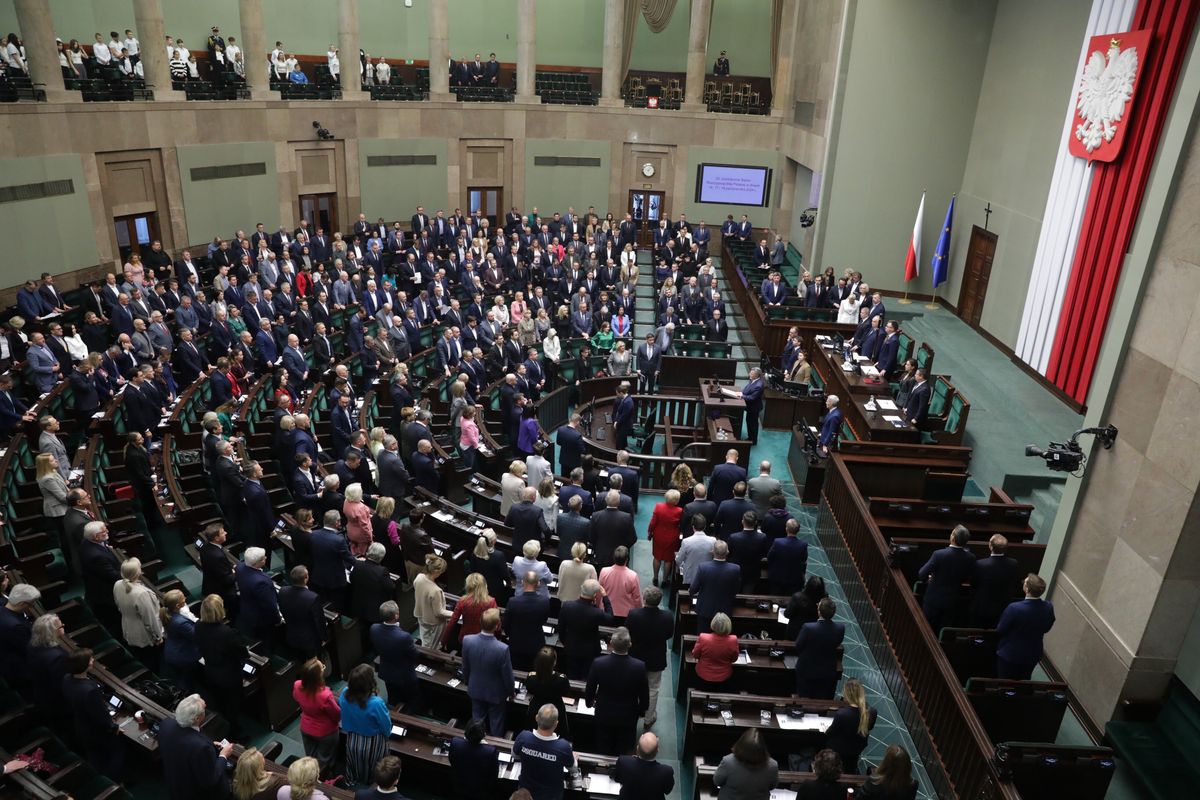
[1103, 93]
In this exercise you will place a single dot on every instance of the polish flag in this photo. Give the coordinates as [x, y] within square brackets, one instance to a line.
[912, 262]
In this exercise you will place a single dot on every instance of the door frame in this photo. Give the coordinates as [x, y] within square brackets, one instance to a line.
[493, 224]
[333, 210]
[990, 238]
[128, 219]
[645, 234]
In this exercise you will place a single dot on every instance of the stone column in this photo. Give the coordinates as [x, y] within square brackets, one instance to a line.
[254, 49]
[348, 49]
[526, 50]
[37, 31]
[439, 50]
[610, 79]
[697, 56]
[148, 19]
[785, 67]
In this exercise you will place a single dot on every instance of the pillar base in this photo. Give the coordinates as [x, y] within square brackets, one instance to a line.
[695, 108]
[59, 95]
[441, 97]
[355, 94]
[611, 102]
[169, 95]
[531, 99]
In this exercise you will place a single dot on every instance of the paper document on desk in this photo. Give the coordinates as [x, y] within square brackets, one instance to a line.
[743, 657]
[599, 783]
[862, 359]
[444, 516]
[510, 771]
[870, 371]
[809, 722]
[886, 405]
[894, 420]
[783, 620]
[783, 794]
[583, 708]
[730, 392]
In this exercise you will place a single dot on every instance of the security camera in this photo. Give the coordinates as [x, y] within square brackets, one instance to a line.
[322, 133]
[808, 217]
[1068, 456]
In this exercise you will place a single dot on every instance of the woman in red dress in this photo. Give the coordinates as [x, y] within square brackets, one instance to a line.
[664, 533]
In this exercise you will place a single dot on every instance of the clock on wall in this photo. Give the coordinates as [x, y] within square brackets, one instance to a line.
[648, 169]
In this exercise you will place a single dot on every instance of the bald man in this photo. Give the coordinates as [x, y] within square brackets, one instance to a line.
[641, 776]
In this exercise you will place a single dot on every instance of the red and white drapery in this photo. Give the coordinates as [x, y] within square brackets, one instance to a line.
[1091, 210]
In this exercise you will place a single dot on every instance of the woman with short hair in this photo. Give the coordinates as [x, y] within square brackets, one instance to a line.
[358, 520]
[528, 561]
[715, 652]
[573, 572]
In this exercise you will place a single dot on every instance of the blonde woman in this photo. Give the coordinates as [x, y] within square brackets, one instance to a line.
[500, 311]
[517, 309]
[573, 572]
[628, 260]
[851, 728]
[469, 609]
[141, 625]
[512, 483]
[375, 441]
[54, 492]
[458, 403]
[619, 360]
[303, 776]
[430, 602]
[527, 330]
[251, 781]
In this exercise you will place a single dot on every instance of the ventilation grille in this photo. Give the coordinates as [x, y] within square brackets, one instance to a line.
[804, 113]
[36, 191]
[401, 161]
[228, 171]
[565, 161]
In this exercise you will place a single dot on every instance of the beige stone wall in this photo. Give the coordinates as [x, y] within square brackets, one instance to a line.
[1129, 581]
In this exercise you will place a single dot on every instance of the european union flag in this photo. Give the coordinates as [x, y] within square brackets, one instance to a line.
[942, 253]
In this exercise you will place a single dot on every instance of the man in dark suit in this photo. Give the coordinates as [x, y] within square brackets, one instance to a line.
[650, 629]
[575, 488]
[787, 561]
[716, 587]
[640, 775]
[889, 350]
[731, 512]
[216, 570]
[916, 411]
[341, 420]
[524, 617]
[331, 559]
[747, 548]
[193, 767]
[623, 416]
[260, 514]
[101, 570]
[716, 329]
[752, 394]
[256, 594]
[724, 477]
[569, 440]
[371, 585]
[611, 528]
[488, 672]
[702, 506]
[398, 657]
[831, 428]
[393, 477]
[425, 470]
[1020, 631]
[527, 519]
[619, 692]
[579, 624]
[649, 363]
[944, 574]
[816, 653]
[303, 614]
[996, 580]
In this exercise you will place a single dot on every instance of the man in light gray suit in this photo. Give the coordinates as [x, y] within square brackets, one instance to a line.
[664, 338]
[48, 442]
[143, 345]
[763, 487]
[393, 477]
[42, 363]
[398, 339]
[268, 272]
[160, 335]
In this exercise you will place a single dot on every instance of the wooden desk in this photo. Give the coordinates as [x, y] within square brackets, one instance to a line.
[723, 438]
[745, 616]
[707, 732]
[706, 790]
[771, 669]
[854, 391]
[713, 399]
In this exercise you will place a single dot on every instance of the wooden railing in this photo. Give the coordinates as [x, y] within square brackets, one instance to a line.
[948, 735]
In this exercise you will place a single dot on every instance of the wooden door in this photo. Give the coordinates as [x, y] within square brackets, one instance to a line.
[321, 211]
[487, 200]
[647, 208]
[135, 233]
[978, 271]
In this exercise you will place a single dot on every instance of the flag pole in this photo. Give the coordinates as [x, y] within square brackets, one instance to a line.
[904, 301]
[933, 305]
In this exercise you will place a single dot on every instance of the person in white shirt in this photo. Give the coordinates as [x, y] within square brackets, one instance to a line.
[115, 45]
[193, 69]
[179, 46]
[13, 55]
[232, 51]
[170, 48]
[279, 62]
[132, 48]
[383, 72]
[100, 51]
[367, 69]
[123, 62]
[335, 63]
